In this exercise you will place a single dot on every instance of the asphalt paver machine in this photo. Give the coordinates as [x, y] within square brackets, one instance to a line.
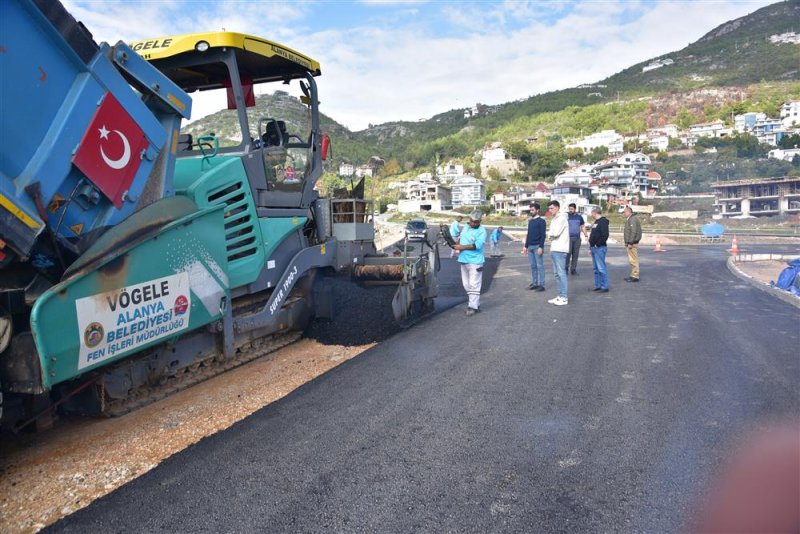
[136, 260]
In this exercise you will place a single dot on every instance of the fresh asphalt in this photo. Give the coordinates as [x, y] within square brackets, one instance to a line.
[610, 414]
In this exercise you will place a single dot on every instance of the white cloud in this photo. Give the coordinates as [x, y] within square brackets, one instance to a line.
[375, 72]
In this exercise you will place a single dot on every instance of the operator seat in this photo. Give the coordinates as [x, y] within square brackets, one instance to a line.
[275, 134]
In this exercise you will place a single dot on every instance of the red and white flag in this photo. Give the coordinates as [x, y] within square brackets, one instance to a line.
[110, 151]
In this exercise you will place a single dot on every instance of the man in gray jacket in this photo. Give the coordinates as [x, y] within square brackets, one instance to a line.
[632, 235]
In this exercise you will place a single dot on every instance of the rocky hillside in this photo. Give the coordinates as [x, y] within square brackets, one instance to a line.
[736, 53]
[713, 73]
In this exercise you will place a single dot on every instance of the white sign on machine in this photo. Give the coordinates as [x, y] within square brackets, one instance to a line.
[117, 322]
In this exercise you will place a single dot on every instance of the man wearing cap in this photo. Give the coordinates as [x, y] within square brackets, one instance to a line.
[470, 249]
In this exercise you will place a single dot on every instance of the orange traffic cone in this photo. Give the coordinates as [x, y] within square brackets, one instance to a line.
[658, 245]
[734, 247]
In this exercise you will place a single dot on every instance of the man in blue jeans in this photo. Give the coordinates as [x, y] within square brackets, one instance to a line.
[598, 249]
[576, 228]
[534, 247]
[559, 247]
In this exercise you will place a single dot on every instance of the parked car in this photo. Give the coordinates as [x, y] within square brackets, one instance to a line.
[417, 229]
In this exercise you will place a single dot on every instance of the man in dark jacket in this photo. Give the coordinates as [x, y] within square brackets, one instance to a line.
[534, 248]
[632, 235]
[598, 249]
[576, 228]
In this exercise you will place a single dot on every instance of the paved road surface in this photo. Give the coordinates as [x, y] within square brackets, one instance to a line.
[608, 414]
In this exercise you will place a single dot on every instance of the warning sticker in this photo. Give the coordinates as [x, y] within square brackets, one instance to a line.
[116, 322]
[55, 203]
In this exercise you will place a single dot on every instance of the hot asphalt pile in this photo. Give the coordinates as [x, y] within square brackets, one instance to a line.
[362, 315]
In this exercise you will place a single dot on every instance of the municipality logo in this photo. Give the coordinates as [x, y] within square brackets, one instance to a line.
[93, 335]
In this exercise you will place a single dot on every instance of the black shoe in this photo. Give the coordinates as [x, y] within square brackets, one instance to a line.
[540, 289]
[603, 290]
[633, 279]
[574, 273]
[596, 289]
[532, 286]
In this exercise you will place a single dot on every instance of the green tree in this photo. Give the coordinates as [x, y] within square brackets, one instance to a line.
[598, 154]
[519, 150]
[789, 141]
[330, 181]
[391, 168]
[685, 118]
[747, 146]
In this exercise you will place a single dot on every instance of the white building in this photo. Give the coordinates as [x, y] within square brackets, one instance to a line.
[346, 169]
[631, 173]
[710, 129]
[669, 130]
[518, 200]
[657, 64]
[785, 38]
[497, 158]
[364, 170]
[656, 141]
[784, 154]
[468, 191]
[768, 131]
[607, 138]
[572, 194]
[504, 202]
[790, 114]
[471, 112]
[745, 122]
[449, 171]
[580, 176]
[425, 194]
[495, 152]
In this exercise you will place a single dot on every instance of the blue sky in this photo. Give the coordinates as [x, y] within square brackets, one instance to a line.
[385, 60]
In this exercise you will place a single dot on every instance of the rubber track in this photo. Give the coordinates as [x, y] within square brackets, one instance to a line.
[195, 374]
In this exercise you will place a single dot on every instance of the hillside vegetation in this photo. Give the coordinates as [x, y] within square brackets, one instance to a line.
[732, 69]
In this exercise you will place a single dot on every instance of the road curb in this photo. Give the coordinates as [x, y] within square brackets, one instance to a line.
[780, 293]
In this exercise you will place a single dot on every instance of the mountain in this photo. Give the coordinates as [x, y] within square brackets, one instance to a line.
[717, 70]
[736, 53]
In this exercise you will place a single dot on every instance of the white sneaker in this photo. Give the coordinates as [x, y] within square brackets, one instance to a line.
[561, 301]
[553, 300]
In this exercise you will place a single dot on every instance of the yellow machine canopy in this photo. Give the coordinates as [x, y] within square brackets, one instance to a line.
[258, 60]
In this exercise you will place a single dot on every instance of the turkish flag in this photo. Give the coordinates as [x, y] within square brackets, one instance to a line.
[110, 151]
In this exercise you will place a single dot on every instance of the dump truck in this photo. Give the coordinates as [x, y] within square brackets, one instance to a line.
[136, 260]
